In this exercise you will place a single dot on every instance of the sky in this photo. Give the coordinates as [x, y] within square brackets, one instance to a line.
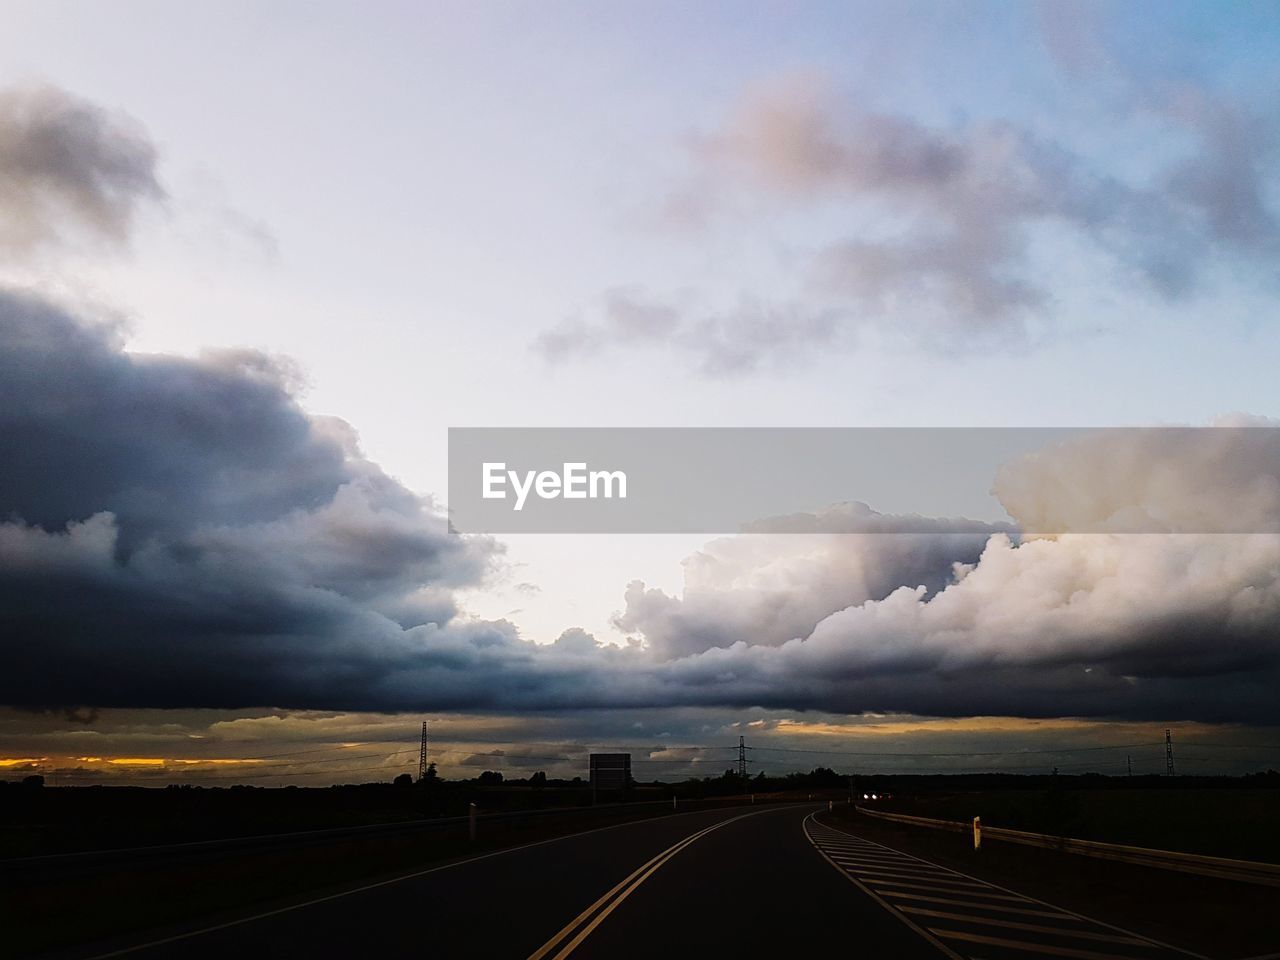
[256, 260]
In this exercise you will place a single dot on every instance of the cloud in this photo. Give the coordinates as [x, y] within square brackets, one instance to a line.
[748, 337]
[1136, 626]
[69, 170]
[576, 640]
[626, 316]
[1223, 181]
[768, 589]
[962, 203]
[178, 532]
[1221, 480]
[932, 234]
[1133, 627]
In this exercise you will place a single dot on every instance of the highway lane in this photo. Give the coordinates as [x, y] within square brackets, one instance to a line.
[503, 904]
[755, 888]
[770, 881]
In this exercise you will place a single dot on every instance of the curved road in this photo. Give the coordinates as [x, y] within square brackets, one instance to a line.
[759, 882]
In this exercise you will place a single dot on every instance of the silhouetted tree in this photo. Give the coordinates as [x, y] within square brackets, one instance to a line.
[405, 780]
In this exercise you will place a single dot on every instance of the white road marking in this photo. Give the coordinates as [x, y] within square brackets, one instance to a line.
[882, 872]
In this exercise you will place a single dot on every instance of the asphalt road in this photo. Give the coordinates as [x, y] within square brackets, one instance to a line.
[766, 882]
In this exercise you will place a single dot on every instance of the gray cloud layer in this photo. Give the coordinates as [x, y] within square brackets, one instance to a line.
[68, 169]
[181, 534]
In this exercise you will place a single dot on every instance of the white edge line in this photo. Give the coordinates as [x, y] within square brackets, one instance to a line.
[897, 915]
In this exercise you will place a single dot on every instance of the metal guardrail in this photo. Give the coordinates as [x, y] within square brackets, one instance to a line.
[1222, 868]
[120, 855]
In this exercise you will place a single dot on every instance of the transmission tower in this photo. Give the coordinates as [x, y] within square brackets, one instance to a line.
[1168, 752]
[422, 755]
[742, 759]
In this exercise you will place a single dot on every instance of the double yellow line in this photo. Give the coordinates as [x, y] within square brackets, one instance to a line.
[594, 915]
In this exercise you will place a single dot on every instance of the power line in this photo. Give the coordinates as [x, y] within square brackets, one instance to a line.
[1184, 744]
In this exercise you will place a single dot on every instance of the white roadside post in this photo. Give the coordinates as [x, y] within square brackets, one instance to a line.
[673, 803]
[828, 806]
[471, 821]
[977, 833]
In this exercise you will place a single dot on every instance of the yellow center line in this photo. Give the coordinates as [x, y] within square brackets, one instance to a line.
[649, 865]
[610, 901]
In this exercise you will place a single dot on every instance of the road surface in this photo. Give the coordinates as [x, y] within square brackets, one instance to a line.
[765, 882]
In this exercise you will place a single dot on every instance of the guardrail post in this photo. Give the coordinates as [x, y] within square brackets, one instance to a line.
[471, 821]
[977, 833]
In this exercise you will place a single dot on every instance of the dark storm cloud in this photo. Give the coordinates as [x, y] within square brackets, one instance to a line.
[68, 167]
[163, 444]
[180, 532]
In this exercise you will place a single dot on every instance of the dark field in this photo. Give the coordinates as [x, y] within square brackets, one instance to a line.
[1241, 823]
[49, 903]
[42, 820]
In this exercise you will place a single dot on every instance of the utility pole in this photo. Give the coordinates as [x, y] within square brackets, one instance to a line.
[422, 755]
[1129, 759]
[1168, 752]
